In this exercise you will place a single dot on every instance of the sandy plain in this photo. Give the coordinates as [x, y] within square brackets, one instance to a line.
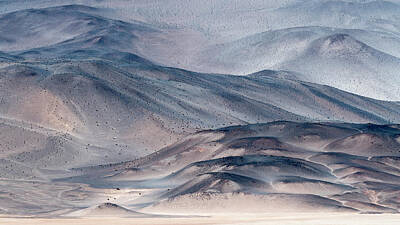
[268, 219]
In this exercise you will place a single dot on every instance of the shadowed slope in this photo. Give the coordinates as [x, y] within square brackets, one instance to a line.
[264, 161]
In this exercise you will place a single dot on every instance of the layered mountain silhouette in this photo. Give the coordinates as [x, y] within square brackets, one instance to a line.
[320, 55]
[102, 112]
[277, 166]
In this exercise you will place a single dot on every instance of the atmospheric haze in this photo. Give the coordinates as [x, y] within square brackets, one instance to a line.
[177, 111]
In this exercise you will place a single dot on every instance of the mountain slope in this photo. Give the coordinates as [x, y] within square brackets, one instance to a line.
[349, 65]
[302, 164]
[91, 113]
[71, 29]
[104, 103]
[322, 55]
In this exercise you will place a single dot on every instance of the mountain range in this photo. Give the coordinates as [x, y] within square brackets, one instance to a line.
[109, 107]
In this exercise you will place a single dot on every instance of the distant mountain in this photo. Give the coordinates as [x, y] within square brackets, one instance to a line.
[111, 100]
[348, 64]
[320, 55]
[78, 32]
[100, 103]
[66, 30]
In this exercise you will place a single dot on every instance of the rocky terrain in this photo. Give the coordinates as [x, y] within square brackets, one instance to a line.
[129, 110]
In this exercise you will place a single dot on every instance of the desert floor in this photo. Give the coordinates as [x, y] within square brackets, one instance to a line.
[309, 219]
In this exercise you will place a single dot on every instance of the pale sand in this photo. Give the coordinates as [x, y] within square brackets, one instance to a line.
[293, 219]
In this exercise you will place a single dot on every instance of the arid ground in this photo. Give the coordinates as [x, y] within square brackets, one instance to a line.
[199, 112]
[257, 219]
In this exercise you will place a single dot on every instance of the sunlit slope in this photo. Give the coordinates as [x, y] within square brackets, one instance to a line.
[292, 166]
